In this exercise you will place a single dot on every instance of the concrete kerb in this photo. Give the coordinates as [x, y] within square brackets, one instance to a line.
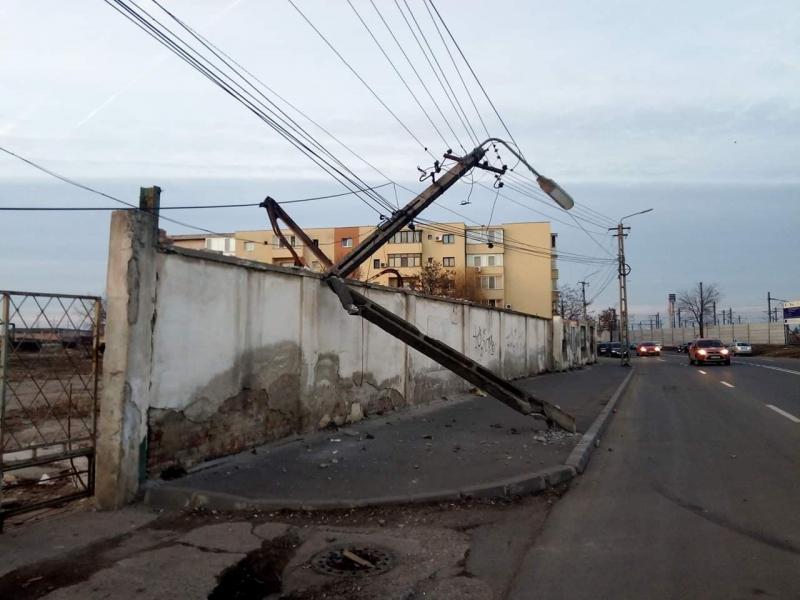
[578, 459]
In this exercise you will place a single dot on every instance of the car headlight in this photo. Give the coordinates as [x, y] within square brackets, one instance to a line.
[702, 352]
[724, 351]
[658, 348]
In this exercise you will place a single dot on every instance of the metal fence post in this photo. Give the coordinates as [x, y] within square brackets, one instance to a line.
[4, 315]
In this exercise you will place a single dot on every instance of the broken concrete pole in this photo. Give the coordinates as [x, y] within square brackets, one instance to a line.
[130, 317]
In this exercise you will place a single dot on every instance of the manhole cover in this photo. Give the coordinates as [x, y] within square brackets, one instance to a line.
[353, 560]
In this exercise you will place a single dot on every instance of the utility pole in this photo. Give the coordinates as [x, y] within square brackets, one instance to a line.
[623, 293]
[583, 285]
[680, 325]
[715, 312]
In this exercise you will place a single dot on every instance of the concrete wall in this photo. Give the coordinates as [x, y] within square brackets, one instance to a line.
[231, 354]
[755, 333]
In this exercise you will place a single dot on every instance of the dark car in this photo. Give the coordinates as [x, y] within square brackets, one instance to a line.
[682, 347]
[602, 348]
[708, 350]
[648, 349]
[615, 349]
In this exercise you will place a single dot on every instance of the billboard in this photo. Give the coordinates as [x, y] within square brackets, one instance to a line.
[791, 320]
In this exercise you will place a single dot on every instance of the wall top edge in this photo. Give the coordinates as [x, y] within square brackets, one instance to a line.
[242, 263]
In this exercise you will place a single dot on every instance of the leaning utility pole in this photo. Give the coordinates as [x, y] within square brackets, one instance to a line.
[583, 285]
[358, 304]
[623, 271]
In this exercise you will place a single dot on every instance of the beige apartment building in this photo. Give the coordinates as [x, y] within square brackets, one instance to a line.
[510, 265]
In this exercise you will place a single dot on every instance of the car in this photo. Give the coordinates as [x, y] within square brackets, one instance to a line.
[741, 348]
[682, 347]
[615, 349]
[602, 348]
[648, 349]
[708, 350]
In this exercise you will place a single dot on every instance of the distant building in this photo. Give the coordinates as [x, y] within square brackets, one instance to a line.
[510, 265]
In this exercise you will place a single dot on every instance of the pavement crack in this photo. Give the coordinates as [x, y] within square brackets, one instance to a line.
[724, 522]
[207, 549]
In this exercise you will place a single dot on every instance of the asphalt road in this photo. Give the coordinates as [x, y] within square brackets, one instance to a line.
[693, 493]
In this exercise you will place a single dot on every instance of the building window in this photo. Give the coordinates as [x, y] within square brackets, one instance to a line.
[249, 246]
[449, 261]
[347, 242]
[483, 260]
[553, 240]
[406, 237]
[376, 263]
[430, 260]
[405, 260]
[493, 303]
[491, 282]
[485, 236]
[449, 238]
[280, 243]
[430, 236]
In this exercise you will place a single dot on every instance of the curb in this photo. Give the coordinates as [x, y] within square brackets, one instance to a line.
[578, 459]
[178, 498]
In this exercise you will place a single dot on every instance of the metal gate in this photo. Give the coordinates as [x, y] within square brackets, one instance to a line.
[49, 375]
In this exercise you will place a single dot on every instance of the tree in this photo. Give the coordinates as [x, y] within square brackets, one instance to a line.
[699, 301]
[570, 303]
[436, 281]
[607, 321]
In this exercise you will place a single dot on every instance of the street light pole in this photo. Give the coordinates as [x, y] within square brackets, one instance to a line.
[624, 270]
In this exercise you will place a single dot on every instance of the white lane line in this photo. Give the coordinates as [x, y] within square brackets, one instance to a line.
[769, 367]
[661, 360]
[789, 416]
[727, 384]
[703, 372]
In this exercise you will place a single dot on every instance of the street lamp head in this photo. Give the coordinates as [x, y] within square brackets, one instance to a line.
[549, 187]
[641, 212]
[556, 192]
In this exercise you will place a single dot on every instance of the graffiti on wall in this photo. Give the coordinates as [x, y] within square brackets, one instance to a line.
[483, 342]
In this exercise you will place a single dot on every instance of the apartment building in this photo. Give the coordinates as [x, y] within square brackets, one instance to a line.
[510, 265]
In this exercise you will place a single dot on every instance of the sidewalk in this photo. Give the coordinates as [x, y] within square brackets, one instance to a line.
[466, 446]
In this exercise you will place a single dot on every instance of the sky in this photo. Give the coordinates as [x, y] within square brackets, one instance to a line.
[692, 109]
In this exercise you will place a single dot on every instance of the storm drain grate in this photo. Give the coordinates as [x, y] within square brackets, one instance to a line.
[353, 560]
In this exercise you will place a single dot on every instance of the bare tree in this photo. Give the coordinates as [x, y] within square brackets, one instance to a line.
[436, 281]
[607, 321]
[699, 301]
[570, 303]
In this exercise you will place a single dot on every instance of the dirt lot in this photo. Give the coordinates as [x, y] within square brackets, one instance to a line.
[777, 351]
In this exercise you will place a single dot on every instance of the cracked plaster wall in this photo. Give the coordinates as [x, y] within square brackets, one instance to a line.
[242, 356]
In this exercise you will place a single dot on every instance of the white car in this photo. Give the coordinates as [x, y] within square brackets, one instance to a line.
[741, 348]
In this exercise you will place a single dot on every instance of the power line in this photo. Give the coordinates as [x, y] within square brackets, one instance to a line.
[181, 207]
[465, 120]
[394, 67]
[214, 73]
[358, 76]
[416, 72]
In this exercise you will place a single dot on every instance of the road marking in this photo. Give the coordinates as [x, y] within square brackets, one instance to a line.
[703, 372]
[728, 384]
[769, 367]
[662, 360]
[789, 416]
